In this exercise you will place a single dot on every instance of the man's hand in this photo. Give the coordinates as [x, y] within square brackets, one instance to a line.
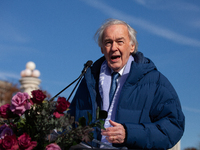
[115, 134]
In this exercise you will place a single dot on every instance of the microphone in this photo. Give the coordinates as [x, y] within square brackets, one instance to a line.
[86, 66]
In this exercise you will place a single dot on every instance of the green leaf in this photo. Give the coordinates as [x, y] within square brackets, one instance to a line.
[17, 119]
[89, 117]
[100, 124]
[82, 121]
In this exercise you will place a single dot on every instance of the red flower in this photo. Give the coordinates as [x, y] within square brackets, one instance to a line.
[25, 142]
[57, 114]
[38, 96]
[62, 104]
[4, 109]
[9, 143]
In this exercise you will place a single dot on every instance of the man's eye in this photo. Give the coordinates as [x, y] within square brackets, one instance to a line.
[120, 42]
[108, 43]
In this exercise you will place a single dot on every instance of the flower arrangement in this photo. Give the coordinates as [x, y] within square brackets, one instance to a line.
[37, 123]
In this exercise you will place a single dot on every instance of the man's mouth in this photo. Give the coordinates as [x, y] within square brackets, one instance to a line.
[115, 57]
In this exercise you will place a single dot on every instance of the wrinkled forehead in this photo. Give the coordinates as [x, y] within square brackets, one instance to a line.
[118, 30]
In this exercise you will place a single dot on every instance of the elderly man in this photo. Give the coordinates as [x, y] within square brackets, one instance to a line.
[144, 111]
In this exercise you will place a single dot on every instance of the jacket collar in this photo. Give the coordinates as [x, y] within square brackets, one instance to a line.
[140, 67]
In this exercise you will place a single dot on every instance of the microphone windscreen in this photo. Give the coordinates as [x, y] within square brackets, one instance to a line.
[89, 63]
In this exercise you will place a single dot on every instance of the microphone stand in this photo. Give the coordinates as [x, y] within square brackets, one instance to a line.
[65, 88]
[74, 88]
[87, 65]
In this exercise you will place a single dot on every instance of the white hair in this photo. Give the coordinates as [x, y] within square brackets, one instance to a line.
[132, 32]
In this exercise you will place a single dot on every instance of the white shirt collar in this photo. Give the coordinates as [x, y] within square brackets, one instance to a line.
[120, 72]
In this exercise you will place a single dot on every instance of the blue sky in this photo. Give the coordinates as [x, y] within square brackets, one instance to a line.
[58, 37]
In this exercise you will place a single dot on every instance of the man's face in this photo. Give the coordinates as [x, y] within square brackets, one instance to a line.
[116, 46]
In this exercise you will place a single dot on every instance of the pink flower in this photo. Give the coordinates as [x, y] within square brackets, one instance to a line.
[9, 143]
[6, 132]
[4, 109]
[25, 142]
[38, 96]
[20, 103]
[52, 146]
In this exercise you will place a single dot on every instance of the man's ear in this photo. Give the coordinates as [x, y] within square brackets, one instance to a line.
[132, 48]
[102, 50]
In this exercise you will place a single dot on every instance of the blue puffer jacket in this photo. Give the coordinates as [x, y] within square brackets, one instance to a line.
[148, 107]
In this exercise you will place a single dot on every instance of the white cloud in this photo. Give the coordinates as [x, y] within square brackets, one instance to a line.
[14, 48]
[191, 109]
[10, 33]
[195, 24]
[175, 5]
[8, 75]
[166, 33]
[145, 25]
[141, 2]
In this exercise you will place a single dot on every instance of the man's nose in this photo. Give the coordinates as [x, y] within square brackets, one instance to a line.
[114, 46]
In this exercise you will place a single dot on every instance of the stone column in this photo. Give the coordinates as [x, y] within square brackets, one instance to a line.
[29, 78]
[29, 84]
